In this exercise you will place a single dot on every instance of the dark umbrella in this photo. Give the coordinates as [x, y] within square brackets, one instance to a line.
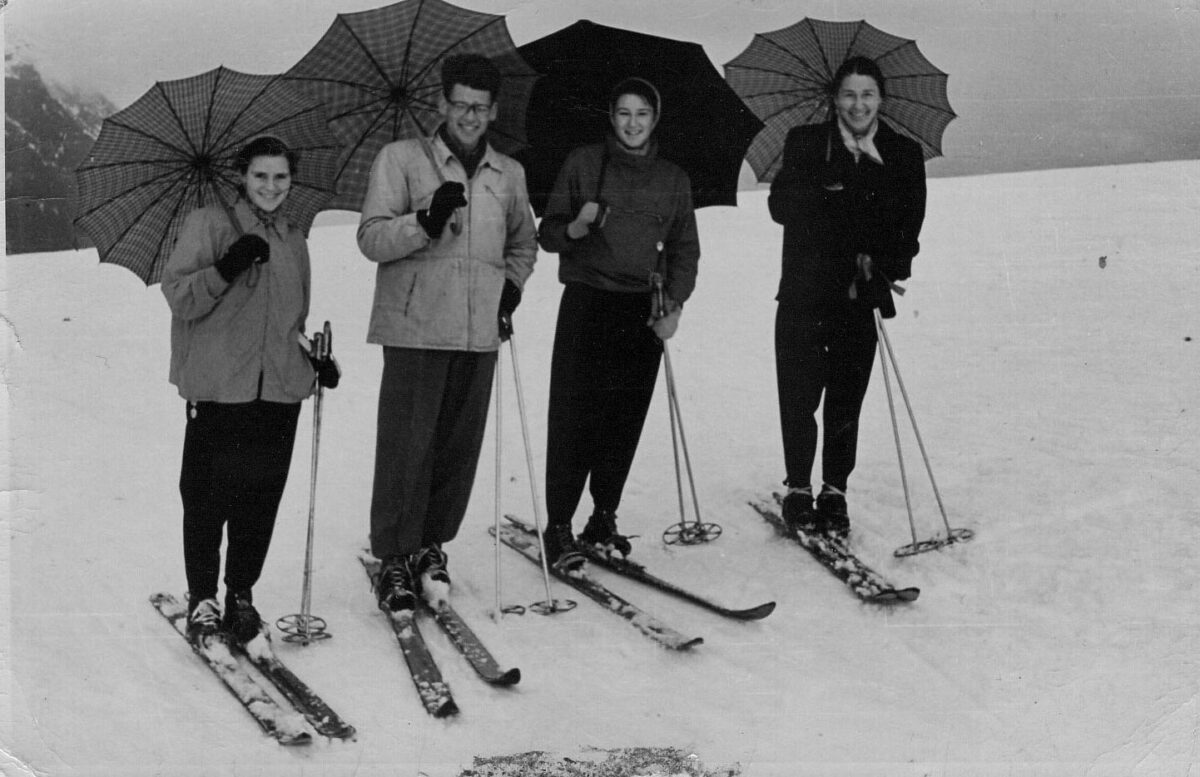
[705, 128]
[172, 150]
[378, 73]
[785, 77]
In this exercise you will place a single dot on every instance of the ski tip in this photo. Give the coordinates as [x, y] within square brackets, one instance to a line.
[445, 710]
[291, 740]
[510, 677]
[689, 644]
[756, 613]
[895, 596]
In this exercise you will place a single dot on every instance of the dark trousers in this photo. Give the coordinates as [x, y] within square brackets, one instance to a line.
[602, 376]
[433, 408]
[827, 349]
[235, 466]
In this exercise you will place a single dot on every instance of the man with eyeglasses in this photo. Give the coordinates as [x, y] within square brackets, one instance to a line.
[447, 220]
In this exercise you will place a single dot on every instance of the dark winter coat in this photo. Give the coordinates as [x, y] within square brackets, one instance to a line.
[833, 208]
[647, 200]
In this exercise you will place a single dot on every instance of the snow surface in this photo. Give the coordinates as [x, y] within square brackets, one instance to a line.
[1048, 341]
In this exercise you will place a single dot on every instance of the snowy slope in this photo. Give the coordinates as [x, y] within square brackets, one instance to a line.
[1048, 341]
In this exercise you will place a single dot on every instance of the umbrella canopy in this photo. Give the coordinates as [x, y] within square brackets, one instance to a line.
[172, 150]
[378, 73]
[785, 77]
[705, 127]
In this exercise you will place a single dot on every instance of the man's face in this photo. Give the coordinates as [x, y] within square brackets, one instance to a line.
[468, 112]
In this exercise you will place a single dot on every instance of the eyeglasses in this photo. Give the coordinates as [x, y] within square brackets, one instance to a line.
[461, 108]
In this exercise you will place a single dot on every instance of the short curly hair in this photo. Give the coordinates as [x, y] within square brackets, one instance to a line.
[474, 71]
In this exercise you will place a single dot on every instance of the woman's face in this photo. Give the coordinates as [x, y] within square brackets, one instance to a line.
[633, 120]
[267, 180]
[857, 102]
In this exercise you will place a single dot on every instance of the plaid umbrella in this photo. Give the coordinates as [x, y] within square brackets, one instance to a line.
[378, 73]
[705, 127]
[172, 150]
[785, 77]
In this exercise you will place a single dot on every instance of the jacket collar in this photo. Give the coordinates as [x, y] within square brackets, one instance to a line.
[618, 154]
[443, 154]
[249, 218]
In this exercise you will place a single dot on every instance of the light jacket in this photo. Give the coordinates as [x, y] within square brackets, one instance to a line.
[237, 342]
[443, 294]
[647, 200]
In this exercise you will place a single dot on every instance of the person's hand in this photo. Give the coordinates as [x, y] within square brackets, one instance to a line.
[329, 372]
[449, 195]
[246, 250]
[510, 297]
[667, 321]
[583, 220]
[864, 265]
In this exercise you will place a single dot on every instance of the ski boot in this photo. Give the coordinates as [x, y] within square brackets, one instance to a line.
[799, 513]
[430, 574]
[203, 622]
[601, 533]
[831, 506]
[242, 622]
[395, 590]
[561, 552]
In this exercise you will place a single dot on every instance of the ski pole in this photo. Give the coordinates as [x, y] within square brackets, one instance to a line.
[887, 384]
[303, 627]
[500, 610]
[952, 535]
[685, 532]
[550, 605]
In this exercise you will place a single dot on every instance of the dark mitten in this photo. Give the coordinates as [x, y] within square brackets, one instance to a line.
[449, 195]
[510, 297]
[329, 373]
[876, 293]
[246, 250]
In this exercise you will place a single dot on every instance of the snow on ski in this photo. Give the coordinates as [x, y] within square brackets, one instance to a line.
[319, 714]
[285, 726]
[639, 573]
[834, 555]
[433, 690]
[524, 540]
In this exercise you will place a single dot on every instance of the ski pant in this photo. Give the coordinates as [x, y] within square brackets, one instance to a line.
[827, 349]
[602, 375]
[433, 408]
[235, 465]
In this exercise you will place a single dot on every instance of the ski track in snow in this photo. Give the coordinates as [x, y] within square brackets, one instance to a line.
[1056, 397]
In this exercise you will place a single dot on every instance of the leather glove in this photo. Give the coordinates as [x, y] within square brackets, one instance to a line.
[329, 372]
[510, 297]
[246, 250]
[449, 195]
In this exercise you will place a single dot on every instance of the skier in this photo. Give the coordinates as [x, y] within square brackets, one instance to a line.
[447, 220]
[618, 214]
[851, 198]
[237, 283]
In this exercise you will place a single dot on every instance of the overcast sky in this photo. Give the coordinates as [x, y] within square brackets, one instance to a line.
[1036, 83]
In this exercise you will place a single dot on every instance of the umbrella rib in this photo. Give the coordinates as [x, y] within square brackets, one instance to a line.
[820, 48]
[133, 223]
[158, 179]
[225, 135]
[370, 55]
[137, 131]
[935, 108]
[816, 76]
[178, 119]
[892, 50]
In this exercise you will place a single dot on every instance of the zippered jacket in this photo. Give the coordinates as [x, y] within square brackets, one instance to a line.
[443, 294]
[237, 342]
[646, 200]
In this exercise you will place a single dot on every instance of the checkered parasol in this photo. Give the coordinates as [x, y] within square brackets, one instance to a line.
[785, 77]
[172, 150]
[378, 73]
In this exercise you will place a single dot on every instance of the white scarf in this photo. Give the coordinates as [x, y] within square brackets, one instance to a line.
[861, 144]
